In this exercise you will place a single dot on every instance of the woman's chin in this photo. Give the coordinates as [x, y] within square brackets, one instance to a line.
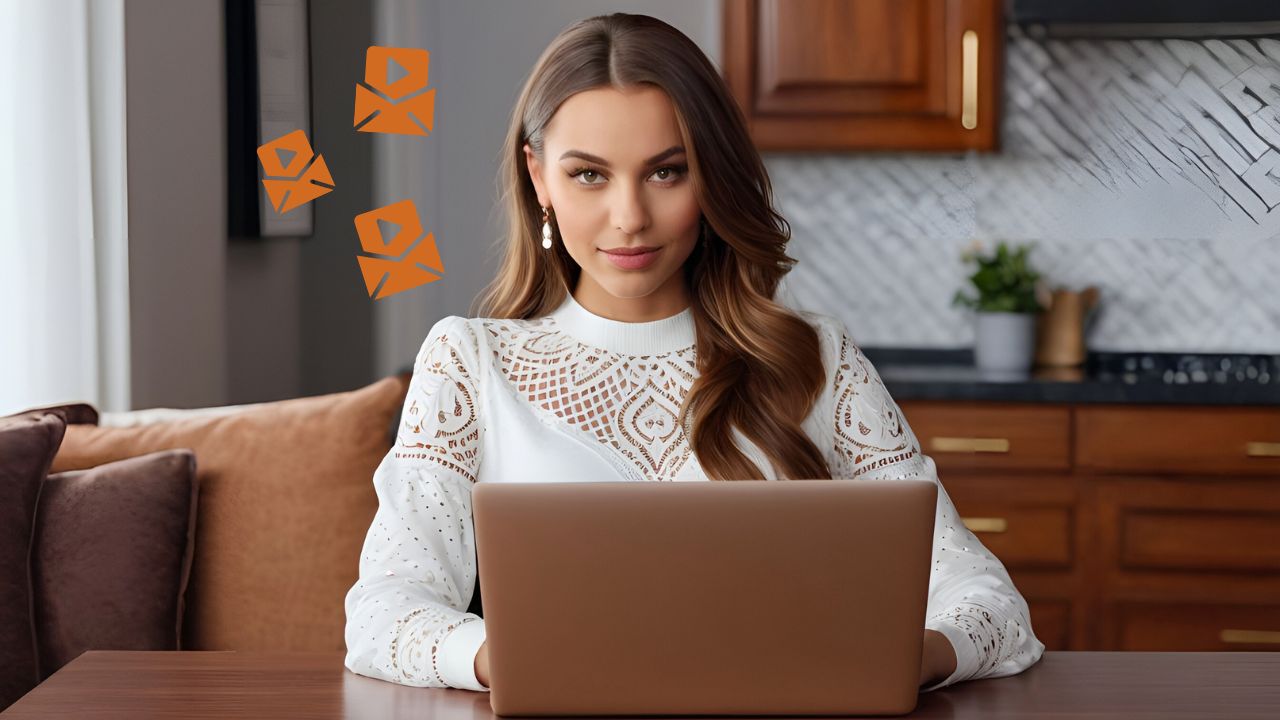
[629, 285]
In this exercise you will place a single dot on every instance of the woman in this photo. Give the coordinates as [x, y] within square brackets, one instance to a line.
[632, 333]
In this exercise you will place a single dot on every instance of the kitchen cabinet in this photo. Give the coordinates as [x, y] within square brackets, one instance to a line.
[1125, 527]
[1243, 441]
[824, 75]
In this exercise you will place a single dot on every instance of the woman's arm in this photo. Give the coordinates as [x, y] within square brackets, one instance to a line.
[972, 600]
[406, 619]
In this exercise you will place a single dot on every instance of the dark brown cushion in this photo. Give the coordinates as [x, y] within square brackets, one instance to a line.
[111, 556]
[28, 442]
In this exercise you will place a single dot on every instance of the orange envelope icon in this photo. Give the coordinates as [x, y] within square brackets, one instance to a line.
[400, 106]
[399, 262]
[293, 174]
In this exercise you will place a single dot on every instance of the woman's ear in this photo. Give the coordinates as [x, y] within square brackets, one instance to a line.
[535, 174]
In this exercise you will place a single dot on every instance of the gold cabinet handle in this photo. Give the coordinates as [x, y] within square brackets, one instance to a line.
[969, 445]
[1262, 449]
[1250, 636]
[986, 524]
[969, 80]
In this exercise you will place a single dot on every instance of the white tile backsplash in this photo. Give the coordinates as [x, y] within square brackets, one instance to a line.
[1148, 167]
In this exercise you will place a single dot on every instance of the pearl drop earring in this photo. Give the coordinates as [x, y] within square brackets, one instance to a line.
[546, 230]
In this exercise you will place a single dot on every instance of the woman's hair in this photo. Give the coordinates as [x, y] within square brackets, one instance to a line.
[760, 364]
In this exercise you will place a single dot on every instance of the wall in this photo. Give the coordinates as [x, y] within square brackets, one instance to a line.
[175, 123]
[218, 320]
[336, 312]
[299, 321]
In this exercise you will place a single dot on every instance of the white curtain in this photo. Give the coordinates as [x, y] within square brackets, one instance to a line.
[64, 319]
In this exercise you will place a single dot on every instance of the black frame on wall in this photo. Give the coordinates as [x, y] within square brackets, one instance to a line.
[246, 115]
[242, 120]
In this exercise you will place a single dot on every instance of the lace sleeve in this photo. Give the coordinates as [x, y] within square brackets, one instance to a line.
[972, 600]
[406, 619]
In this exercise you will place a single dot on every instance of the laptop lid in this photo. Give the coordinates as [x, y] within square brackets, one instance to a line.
[761, 598]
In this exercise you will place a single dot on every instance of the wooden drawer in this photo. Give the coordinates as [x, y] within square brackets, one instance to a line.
[1196, 627]
[1024, 537]
[1211, 440]
[1221, 525]
[1026, 522]
[1240, 540]
[992, 436]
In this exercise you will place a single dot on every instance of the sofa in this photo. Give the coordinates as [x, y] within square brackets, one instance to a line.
[231, 528]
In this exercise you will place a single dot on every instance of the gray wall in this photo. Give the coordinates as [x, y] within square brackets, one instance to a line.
[218, 320]
[264, 311]
[336, 313]
[175, 120]
[299, 321]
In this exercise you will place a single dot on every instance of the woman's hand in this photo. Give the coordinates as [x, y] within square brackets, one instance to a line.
[482, 664]
[938, 660]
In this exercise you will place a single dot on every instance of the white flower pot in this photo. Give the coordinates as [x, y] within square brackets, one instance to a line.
[1004, 341]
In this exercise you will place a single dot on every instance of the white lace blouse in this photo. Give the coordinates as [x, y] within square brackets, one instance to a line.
[592, 398]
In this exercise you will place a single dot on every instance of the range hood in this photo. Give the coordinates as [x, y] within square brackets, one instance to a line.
[1166, 18]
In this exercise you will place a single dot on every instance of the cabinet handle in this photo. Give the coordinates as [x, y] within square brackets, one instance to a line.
[1250, 636]
[986, 524]
[969, 445]
[969, 80]
[1262, 449]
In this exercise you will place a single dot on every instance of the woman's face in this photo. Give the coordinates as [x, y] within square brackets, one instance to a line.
[614, 176]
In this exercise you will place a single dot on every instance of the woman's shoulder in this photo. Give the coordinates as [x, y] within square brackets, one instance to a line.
[497, 331]
[453, 341]
[839, 347]
[476, 335]
[831, 329]
[453, 330]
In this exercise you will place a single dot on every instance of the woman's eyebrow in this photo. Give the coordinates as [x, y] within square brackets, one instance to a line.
[673, 150]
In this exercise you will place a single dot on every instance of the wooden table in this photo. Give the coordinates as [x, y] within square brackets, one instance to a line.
[139, 685]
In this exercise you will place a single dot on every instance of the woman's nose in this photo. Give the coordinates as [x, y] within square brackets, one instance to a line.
[630, 212]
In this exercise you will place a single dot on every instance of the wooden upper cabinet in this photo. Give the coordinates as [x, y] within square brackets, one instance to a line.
[866, 74]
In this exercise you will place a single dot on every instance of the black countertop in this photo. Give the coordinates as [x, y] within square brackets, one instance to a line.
[1105, 377]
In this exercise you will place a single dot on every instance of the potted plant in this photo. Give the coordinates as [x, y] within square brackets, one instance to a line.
[1006, 307]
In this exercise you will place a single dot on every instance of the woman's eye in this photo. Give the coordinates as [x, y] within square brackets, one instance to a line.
[666, 175]
[584, 172]
[672, 172]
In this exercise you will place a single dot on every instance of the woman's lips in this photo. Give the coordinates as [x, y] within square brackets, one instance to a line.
[632, 262]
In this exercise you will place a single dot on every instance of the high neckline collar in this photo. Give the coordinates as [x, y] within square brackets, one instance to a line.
[630, 338]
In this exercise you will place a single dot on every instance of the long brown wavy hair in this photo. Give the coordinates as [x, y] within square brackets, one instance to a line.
[759, 364]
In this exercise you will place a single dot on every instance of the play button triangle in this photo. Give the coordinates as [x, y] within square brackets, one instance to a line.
[285, 156]
[387, 230]
[395, 71]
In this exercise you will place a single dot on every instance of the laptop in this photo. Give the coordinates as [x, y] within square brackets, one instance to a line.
[714, 598]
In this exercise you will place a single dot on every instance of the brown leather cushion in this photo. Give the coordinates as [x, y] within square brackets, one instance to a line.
[286, 497]
[28, 442]
[111, 555]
